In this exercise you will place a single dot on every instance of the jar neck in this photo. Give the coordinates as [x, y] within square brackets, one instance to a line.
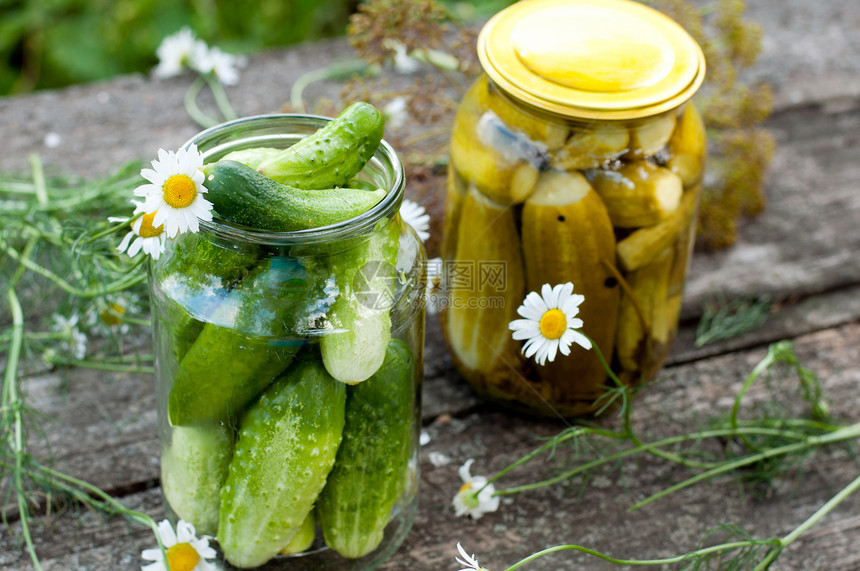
[384, 170]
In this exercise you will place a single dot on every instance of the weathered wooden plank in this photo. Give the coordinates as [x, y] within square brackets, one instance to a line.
[786, 321]
[806, 241]
[683, 399]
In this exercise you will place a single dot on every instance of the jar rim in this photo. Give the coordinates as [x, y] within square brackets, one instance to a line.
[384, 158]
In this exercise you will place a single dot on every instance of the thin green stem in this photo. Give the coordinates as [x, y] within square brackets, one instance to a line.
[191, 106]
[113, 287]
[12, 408]
[642, 562]
[102, 366]
[845, 433]
[220, 96]
[822, 511]
[39, 179]
[331, 71]
[651, 448]
[113, 229]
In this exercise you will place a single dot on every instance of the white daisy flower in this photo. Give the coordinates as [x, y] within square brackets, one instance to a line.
[224, 66]
[414, 214]
[550, 323]
[469, 500]
[471, 564]
[144, 235]
[433, 295]
[185, 552]
[106, 316]
[75, 342]
[175, 192]
[179, 52]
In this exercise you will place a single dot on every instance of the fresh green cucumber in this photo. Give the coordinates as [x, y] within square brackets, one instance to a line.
[244, 196]
[304, 538]
[193, 469]
[286, 447]
[187, 276]
[332, 155]
[231, 362]
[252, 157]
[365, 274]
[367, 477]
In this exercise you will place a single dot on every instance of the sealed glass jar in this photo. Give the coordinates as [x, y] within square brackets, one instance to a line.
[288, 370]
[576, 157]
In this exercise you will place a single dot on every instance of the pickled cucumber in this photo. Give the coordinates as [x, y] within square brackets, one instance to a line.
[649, 136]
[643, 245]
[568, 237]
[687, 147]
[487, 241]
[285, 449]
[638, 194]
[588, 147]
[479, 162]
[537, 128]
[644, 316]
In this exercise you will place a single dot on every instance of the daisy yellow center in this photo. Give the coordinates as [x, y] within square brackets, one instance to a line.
[182, 557]
[146, 228]
[179, 191]
[553, 324]
[112, 315]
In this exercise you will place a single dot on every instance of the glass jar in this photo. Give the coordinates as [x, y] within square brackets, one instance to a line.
[288, 375]
[575, 157]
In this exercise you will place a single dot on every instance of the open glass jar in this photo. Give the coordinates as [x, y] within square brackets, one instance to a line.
[288, 371]
[576, 157]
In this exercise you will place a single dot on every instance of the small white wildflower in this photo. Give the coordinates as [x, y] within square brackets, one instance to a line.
[178, 52]
[550, 323]
[185, 552]
[414, 214]
[74, 342]
[396, 113]
[106, 315]
[175, 191]
[468, 560]
[224, 66]
[144, 235]
[469, 500]
[424, 438]
[433, 294]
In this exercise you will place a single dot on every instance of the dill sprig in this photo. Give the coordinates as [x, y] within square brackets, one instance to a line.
[57, 244]
[739, 148]
[758, 447]
[722, 319]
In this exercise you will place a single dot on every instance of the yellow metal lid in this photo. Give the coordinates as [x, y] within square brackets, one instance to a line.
[591, 59]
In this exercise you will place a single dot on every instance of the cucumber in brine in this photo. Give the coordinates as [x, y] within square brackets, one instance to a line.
[365, 275]
[367, 478]
[285, 449]
[193, 468]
